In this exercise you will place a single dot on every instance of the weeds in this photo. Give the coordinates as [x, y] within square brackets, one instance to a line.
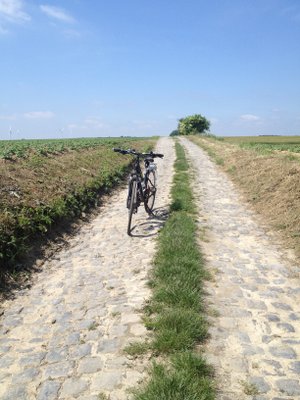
[137, 348]
[249, 388]
[93, 326]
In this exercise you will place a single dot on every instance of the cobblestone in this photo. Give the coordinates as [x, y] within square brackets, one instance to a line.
[283, 352]
[73, 387]
[63, 337]
[290, 387]
[244, 260]
[48, 390]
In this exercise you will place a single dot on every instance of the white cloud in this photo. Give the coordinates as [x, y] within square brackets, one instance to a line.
[39, 115]
[249, 117]
[12, 10]
[57, 13]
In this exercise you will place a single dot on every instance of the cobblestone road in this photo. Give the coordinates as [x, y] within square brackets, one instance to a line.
[63, 338]
[255, 340]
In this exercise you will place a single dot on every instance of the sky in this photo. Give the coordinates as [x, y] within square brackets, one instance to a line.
[87, 68]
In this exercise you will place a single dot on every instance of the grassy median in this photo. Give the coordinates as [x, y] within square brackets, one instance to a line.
[175, 313]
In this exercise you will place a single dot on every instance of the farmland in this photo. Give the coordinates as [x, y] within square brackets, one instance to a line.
[46, 182]
[267, 144]
[11, 150]
[266, 170]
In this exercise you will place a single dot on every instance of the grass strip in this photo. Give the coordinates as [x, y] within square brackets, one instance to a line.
[56, 190]
[174, 314]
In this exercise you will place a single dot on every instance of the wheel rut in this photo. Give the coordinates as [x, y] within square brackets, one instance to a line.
[254, 294]
[64, 337]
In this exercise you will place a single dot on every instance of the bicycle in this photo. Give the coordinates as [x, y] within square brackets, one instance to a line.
[141, 184]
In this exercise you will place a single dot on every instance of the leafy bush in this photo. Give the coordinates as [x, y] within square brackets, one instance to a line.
[193, 125]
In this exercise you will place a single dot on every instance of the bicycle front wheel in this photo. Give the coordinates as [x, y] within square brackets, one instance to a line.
[150, 191]
[132, 205]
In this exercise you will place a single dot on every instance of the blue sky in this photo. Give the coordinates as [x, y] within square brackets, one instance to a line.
[108, 68]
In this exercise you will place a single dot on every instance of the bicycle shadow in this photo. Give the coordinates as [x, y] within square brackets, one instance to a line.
[153, 224]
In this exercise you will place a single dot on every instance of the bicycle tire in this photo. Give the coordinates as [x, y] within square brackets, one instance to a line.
[150, 191]
[133, 205]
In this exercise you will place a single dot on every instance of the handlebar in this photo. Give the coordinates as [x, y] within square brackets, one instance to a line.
[135, 153]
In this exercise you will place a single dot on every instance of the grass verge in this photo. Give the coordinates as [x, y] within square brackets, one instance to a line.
[174, 314]
[269, 181]
[39, 193]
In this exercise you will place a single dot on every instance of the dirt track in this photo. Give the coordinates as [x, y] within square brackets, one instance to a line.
[254, 344]
[64, 337]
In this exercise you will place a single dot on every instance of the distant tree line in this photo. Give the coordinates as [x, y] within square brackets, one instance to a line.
[192, 125]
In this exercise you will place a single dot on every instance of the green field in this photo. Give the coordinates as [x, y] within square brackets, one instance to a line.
[267, 143]
[12, 149]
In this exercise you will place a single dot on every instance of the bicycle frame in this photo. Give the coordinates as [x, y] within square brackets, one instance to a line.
[138, 175]
[141, 185]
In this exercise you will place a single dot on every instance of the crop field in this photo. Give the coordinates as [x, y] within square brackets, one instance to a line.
[267, 143]
[13, 149]
[46, 182]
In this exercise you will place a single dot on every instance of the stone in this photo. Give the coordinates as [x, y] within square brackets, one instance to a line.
[251, 350]
[26, 376]
[12, 322]
[279, 398]
[33, 360]
[6, 361]
[59, 370]
[73, 338]
[73, 387]
[283, 352]
[16, 393]
[260, 383]
[90, 365]
[257, 305]
[57, 355]
[291, 341]
[290, 387]
[294, 316]
[267, 339]
[80, 351]
[295, 367]
[48, 390]
[282, 306]
[243, 337]
[286, 327]
[273, 363]
[109, 345]
[272, 318]
[107, 380]
[259, 398]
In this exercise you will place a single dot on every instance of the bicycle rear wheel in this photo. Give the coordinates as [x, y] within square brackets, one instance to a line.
[150, 191]
[132, 205]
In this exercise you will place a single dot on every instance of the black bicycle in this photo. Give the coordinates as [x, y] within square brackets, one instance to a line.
[142, 184]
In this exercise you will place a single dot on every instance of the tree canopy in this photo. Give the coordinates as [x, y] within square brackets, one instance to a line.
[193, 125]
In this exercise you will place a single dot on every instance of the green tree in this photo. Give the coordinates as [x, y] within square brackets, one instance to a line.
[174, 133]
[193, 125]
